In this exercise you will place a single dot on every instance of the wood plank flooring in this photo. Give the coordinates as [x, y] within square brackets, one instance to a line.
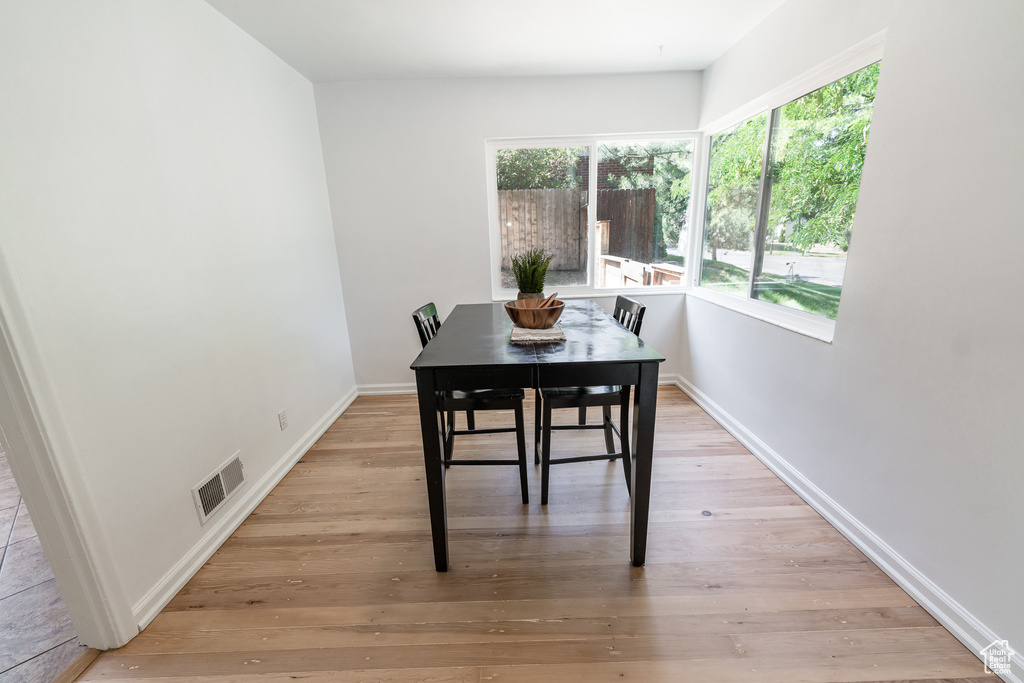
[332, 578]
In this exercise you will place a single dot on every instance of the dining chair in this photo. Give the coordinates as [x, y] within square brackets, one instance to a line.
[450, 402]
[630, 314]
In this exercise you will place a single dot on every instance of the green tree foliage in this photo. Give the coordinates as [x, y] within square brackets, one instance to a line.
[734, 178]
[539, 169]
[663, 165]
[818, 159]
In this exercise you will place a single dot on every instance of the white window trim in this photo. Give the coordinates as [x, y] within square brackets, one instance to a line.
[855, 58]
[492, 145]
[818, 327]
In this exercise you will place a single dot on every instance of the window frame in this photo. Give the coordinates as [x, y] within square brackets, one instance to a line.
[857, 57]
[589, 289]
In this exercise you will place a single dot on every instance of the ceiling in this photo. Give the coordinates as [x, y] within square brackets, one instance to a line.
[335, 40]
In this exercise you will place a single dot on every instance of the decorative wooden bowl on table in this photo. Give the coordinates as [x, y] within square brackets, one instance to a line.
[525, 313]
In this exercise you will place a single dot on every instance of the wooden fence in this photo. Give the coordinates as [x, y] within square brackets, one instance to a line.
[556, 220]
[630, 216]
[553, 220]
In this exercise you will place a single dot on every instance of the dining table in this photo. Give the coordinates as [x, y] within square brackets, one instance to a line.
[472, 350]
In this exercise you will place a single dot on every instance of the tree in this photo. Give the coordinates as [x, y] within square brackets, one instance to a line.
[729, 229]
[734, 179]
[539, 169]
[819, 156]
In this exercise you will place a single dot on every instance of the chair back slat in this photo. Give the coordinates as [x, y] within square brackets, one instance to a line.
[630, 313]
[426, 321]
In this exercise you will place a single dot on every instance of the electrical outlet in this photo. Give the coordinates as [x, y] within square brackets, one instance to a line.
[282, 419]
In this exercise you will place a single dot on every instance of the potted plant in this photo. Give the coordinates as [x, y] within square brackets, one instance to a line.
[530, 269]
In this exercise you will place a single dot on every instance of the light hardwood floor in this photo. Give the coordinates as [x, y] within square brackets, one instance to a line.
[332, 578]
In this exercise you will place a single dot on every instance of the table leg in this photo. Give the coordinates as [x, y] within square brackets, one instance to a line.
[433, 461]
[645, 399]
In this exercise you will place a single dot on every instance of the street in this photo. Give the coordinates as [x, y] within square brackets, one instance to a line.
[822, 270]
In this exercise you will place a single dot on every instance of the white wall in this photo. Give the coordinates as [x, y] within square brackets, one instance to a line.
[406, 171]
[170, 279]
[911, 420]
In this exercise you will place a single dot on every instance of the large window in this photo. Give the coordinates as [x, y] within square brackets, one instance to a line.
[612, 213]
[781, 194]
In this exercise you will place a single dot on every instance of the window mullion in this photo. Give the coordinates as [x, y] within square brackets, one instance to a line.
[763, 203]
[699, 207]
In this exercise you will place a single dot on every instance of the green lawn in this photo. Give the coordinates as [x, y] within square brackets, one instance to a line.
[803, 296]
[724, 277]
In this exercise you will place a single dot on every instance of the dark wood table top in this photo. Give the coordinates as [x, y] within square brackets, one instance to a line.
[477, 335]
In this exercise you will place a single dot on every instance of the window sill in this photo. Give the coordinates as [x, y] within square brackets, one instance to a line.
[581, 292]
[806, 324]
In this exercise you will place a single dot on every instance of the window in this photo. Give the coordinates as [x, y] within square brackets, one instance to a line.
[543, 200]
[734, 184]
[781, 193]
[643, 202]
[635, 234]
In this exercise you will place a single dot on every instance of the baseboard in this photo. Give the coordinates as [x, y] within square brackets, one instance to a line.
[955, 617]
[230, 519]
[387, 389]
[669, 379]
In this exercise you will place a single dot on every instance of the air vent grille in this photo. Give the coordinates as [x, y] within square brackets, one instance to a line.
[211, 494]
[232, 476]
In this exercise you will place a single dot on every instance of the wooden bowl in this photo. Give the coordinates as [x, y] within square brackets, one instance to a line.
[524, 313]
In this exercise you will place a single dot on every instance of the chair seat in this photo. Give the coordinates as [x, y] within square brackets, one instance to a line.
[452, 402]
[484, 394]
[579, 392]
[629, 313]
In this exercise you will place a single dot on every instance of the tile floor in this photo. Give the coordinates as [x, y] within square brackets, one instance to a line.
[37, 641]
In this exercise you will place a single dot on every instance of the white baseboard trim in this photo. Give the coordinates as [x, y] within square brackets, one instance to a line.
[955, 617]
[173, 581]
[387, 389]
